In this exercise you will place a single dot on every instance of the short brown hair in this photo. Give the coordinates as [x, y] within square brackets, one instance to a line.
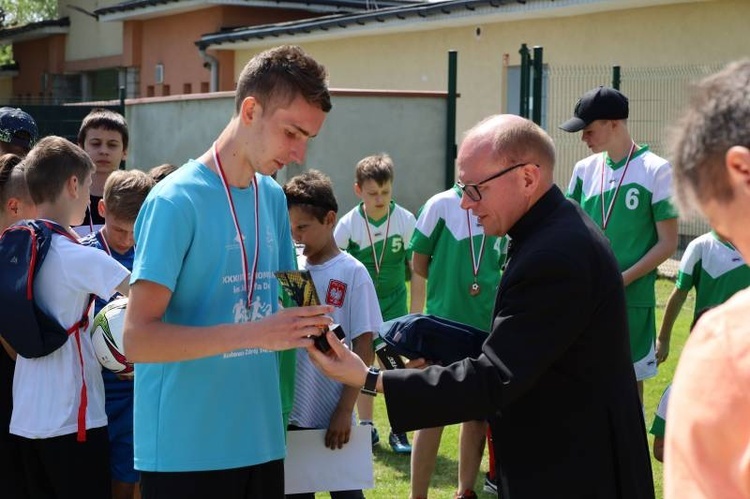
[49, 165]
[378, 167]
[12, 179]
[313, 192]
[277, 76]
[159, 173]
[717, 118]
[125, 192]
[105, 119]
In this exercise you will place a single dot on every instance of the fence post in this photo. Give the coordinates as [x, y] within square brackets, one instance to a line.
[450, 125]
[537, 95]
[616, 77]
[525, 69]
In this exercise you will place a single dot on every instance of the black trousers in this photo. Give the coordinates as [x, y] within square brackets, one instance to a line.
[262, 481]
[62, 468]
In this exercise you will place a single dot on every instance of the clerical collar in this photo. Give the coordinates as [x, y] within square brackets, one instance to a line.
[531, 220]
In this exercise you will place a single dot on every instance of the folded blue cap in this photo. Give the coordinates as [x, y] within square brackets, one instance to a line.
[438, 340]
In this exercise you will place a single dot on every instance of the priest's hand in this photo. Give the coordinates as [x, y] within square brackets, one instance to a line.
[340, 363]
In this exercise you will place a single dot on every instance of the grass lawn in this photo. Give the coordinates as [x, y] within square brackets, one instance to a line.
[392, 470]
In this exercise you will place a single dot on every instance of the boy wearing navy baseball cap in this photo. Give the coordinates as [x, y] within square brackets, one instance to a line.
[18, 131]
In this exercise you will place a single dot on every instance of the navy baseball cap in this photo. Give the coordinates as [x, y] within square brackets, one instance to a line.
[601, 103]
[17, 127]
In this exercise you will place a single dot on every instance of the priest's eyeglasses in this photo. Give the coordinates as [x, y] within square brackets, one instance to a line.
[472, 190]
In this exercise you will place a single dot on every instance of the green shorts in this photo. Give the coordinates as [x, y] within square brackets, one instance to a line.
[393, 303]
[642, 328]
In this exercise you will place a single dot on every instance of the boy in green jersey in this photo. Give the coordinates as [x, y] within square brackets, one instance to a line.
[462, 266]
[715, 269]
[626, 189]
[377, 232]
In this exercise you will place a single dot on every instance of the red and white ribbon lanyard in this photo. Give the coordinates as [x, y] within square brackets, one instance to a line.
[249, 284]
[608, 214]
[474, 289]
[378, 260]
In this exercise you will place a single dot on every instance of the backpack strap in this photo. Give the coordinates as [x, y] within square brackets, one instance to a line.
[75, 331]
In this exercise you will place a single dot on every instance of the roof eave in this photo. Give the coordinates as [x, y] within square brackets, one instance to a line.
[452, 15]
[35, 34]
[109, 14]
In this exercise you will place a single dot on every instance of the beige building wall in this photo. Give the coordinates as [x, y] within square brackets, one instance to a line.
[91, 39]
[703, 32]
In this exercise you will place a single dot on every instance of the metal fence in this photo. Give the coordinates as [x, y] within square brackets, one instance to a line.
[657, 96]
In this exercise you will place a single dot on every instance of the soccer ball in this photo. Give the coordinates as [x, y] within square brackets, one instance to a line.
[106, 336]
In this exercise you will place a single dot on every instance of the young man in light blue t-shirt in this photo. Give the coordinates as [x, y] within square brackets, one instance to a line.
[202, 323]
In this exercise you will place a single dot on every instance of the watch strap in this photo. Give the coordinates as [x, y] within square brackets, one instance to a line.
[371, 381]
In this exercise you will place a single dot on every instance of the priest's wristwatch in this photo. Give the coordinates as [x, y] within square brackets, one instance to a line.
[371, 381]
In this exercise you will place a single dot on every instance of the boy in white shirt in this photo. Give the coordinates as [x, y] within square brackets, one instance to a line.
[343, 282]
[58, 399]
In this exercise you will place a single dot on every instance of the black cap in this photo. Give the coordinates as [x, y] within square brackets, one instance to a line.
[17, 127]
[601, 103]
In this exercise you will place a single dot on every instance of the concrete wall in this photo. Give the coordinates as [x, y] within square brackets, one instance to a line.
[174, 130]
[408, 127]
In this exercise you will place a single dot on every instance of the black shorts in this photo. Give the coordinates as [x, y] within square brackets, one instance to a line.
[264, 481]
[65, 468]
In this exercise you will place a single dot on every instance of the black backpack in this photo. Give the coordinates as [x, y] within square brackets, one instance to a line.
[30, 331]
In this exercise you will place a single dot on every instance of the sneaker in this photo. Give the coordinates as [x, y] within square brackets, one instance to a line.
[466, 494]
[399, 443]
[490, 485]
[374, 435]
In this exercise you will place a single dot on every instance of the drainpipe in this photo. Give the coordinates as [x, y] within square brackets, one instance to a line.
[212, 63]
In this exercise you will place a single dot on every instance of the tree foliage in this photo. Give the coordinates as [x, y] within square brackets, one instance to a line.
[20, 12]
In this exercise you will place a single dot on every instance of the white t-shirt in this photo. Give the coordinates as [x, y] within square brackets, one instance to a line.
[343, 282]
[46, 390]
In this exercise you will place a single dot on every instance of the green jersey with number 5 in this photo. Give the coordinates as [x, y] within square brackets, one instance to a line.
[381, 245]
[626, 199]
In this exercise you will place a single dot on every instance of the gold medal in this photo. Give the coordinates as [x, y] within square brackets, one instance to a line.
[474, 289]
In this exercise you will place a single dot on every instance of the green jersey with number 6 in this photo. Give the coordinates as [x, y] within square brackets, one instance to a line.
[626, 199]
